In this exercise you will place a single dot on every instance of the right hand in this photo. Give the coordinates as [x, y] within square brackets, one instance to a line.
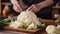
[16, 6]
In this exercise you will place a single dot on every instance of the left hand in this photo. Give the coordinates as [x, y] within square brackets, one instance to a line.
[34, 8]
[16, 6]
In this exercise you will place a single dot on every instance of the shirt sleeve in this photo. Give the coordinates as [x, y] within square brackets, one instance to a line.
[55, 1]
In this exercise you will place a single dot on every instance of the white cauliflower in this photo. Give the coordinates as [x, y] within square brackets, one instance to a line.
[51, 29]
[28, 18]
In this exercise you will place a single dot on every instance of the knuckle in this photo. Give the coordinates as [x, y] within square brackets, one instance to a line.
[33, 5]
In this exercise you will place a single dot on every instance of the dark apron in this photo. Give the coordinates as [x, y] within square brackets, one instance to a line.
[44, 13]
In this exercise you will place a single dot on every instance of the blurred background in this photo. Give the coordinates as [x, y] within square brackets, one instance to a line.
[6, 9]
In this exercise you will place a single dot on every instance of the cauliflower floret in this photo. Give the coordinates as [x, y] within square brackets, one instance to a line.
[32, 26]
[14, 24]
[22, 24]
[28, 21]
[51, 29]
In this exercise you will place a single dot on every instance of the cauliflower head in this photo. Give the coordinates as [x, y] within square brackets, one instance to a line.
[51, 29]
[28, 18]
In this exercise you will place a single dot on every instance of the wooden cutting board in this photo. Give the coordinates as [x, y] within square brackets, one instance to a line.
[23, 30]
[39, 31]
[48, 22]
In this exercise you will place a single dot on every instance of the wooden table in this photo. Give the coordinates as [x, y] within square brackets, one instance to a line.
[13, 32]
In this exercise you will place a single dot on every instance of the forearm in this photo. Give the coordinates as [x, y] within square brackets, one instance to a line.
[45, 3]
[24, 6]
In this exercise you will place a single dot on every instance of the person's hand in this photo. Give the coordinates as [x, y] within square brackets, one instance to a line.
[34, 8]
[16, 6]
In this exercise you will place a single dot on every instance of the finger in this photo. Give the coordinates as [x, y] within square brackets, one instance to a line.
[19, 8]
[15, 2]
[18, 5]
[16, 9]
[29, 8]
[33, 9]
